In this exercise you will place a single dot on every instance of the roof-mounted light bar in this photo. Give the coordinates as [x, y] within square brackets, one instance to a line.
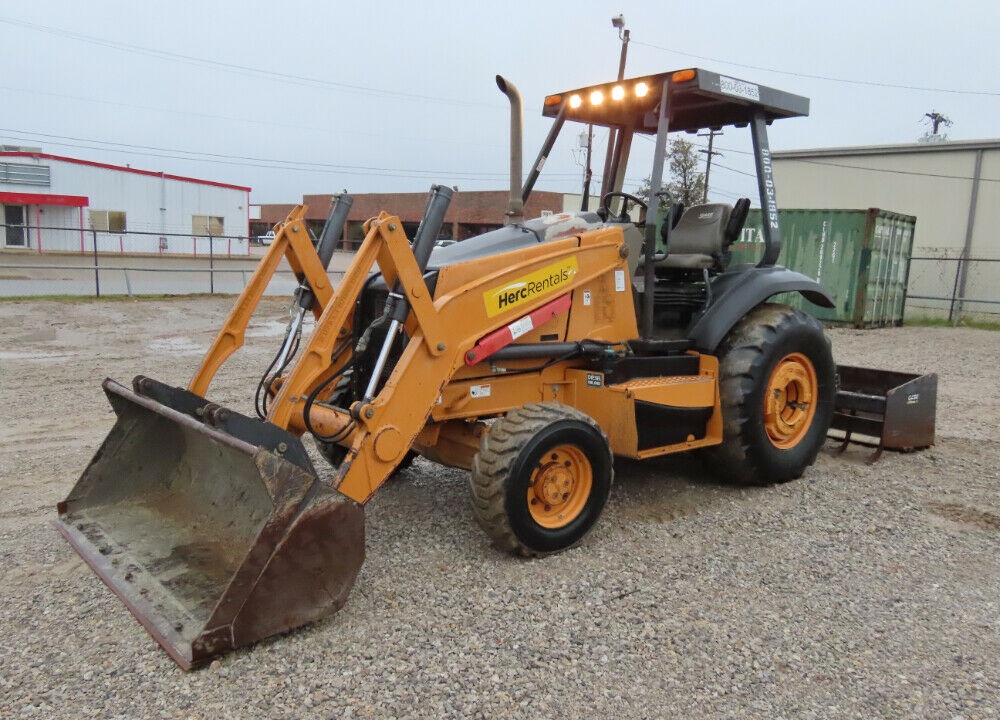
[644, 89]
[699, 98]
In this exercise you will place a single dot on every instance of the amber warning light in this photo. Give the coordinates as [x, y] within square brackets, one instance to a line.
[620, 93]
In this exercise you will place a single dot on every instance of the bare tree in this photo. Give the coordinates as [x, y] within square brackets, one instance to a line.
[684, 182]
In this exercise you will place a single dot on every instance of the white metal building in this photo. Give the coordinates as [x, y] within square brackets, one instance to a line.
[50, 203]
[952, 187]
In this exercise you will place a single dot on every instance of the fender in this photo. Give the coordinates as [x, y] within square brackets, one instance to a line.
[740, 290]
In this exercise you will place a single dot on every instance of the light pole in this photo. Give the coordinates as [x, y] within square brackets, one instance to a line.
[617, 22]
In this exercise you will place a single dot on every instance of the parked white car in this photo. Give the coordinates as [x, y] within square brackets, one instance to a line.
[265, 239]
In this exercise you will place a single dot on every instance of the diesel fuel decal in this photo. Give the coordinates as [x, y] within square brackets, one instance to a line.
[528, 287]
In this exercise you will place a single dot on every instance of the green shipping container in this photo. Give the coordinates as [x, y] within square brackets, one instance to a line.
[862, 258]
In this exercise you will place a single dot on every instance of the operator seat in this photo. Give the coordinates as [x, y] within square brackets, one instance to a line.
[635, 240]
[701, 239]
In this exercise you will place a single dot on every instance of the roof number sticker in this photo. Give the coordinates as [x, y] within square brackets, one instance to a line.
[739, 88]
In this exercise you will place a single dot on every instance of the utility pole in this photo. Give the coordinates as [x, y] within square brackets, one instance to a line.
[617, 22]
[937, 120]
[587, 172]
[708, 161]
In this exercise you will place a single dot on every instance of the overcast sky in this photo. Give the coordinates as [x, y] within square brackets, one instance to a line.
[307, 97]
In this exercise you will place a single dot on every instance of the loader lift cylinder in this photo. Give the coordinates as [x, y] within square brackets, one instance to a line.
[333, 229]
[396, 305]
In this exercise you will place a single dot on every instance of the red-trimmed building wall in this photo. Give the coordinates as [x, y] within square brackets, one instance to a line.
[52, 203]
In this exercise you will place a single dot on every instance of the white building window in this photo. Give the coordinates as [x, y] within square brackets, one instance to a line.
[207, 225]
[108, 220]
[21, 174]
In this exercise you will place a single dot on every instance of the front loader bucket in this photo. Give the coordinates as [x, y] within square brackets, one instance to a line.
[214, 535]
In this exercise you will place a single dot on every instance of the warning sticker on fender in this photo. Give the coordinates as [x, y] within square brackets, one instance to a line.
[479, 391]
[536, 284]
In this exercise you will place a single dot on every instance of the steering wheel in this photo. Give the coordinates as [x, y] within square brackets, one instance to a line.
[627, 197]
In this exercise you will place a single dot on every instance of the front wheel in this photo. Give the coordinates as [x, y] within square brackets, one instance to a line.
[777, 386]
[541, 478]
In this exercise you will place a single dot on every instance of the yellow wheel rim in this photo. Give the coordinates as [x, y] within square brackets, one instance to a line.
[560, 487]
[790, 401]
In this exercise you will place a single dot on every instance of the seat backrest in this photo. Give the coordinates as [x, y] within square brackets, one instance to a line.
[737, 219]
[699, 238]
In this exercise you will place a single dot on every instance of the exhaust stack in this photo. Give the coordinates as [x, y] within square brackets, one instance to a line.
[515, 206]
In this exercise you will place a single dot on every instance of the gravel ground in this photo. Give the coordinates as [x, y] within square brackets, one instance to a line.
[856, 591]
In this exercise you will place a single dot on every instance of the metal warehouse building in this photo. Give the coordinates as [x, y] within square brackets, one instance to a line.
[952, 187]
[50, 203]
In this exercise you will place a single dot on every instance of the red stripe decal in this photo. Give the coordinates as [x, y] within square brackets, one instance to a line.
[522, 326]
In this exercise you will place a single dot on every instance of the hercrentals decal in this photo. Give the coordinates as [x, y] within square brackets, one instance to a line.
[533, 285]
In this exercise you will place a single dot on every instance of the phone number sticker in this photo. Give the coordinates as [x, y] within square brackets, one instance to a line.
[739, 88]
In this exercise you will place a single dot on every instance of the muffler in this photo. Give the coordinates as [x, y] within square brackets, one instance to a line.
[212, 527]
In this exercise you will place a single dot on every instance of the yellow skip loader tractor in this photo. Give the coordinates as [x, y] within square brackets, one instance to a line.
[531, 356]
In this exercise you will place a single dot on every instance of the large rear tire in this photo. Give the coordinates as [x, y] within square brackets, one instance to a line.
[541, 478]
[777, 385]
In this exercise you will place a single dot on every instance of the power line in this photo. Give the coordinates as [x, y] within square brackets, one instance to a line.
[847, 165]
[893, 172]
[250, 161]
[239, 119]
[739, 172]
[871, 83]
[237, 68]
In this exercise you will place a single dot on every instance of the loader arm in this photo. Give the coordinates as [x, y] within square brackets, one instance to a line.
[292, 243]
[441, 331]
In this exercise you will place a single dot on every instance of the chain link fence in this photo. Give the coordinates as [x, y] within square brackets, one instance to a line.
[52, 260]
[960, 290]
[62, 239]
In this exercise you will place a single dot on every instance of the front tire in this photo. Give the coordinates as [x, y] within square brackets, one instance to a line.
[777, 385]
[541, 478]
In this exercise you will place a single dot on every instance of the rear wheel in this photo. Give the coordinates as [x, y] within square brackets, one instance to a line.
[541, 479]
[777, 386]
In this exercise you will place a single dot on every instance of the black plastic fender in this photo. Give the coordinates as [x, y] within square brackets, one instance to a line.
[741, 289]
